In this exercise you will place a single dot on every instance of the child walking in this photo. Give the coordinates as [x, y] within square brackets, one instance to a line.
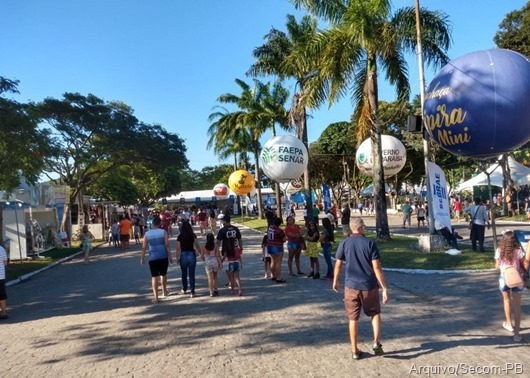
[235, 264]
[86, 243]
[313, 250]
[212, 263]
[266, 258]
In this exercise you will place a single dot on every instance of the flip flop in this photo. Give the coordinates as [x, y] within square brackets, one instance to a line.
[356, 356]
[378, 349]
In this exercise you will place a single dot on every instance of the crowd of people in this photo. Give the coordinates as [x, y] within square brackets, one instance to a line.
[358, 255]
[226, 245]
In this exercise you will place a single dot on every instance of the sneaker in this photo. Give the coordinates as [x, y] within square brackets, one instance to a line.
[192, 295]
[316, 276]
[311, 274]
[507, 327]
[182, 291]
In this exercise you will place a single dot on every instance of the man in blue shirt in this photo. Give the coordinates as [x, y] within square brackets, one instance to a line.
[361, 290]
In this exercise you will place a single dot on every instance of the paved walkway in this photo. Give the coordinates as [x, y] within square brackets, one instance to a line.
[97, 321]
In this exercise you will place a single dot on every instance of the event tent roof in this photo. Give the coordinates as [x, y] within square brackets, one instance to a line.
[520, 175]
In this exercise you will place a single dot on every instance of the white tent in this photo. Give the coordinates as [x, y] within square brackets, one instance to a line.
[519, 173]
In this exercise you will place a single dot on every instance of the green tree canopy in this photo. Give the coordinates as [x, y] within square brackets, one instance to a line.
[514, 31]
[92, 138]
[22, 143]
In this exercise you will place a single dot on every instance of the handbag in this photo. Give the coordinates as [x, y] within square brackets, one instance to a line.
[473, 219]
[512, 277]
[303, 246]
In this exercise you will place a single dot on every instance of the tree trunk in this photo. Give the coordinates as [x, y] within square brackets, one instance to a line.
[258, 180]
[382, 229]
[278, 199]
[307, 178]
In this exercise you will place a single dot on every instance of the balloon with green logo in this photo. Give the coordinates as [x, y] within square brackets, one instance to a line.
[394, 156]
[284, 158]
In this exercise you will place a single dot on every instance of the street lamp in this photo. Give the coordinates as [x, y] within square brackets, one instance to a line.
[14, 206]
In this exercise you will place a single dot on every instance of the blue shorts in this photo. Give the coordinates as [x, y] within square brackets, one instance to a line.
[503, 287]
[274, 250]
[293, 245]
[233, 266]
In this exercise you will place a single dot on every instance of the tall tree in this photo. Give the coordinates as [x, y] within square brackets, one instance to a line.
[256, 112]
[92, 138]
[22, 143]
[283, 55]
[514, 31]
[226, 139]
[365, 38]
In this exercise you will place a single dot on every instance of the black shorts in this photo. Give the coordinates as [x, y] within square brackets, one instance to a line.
[158, 267]
[124, 238]
[3, 294]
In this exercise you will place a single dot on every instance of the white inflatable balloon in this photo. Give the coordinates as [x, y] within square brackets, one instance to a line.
[220, 191]
[394, 156]
[284, 158]
[292, 186]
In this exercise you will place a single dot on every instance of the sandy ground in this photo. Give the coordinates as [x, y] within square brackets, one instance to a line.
[97, 321]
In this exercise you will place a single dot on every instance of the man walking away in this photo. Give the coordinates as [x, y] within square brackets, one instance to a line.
[363, 273]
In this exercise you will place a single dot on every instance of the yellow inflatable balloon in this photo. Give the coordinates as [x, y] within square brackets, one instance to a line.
[241, 182]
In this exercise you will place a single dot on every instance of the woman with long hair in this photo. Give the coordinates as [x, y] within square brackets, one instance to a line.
[275, 239]
[294, 237]
[326, 238]
[510, 254]
[313, 236]
[187, 250]
[212, 263]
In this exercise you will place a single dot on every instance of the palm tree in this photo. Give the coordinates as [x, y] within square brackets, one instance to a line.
[226, 139]
[365, 38]
[276, 114]
[272, 59]
[251, 116]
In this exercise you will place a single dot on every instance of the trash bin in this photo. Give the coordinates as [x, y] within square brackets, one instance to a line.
[523, 237]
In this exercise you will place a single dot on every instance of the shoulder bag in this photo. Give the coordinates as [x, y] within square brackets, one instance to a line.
[473, 219]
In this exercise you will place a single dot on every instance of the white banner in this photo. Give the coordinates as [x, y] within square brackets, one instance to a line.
[438, 192]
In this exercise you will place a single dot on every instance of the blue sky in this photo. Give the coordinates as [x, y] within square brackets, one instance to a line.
[170, 59]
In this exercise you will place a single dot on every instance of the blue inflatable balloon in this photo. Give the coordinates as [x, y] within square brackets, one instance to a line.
[479, 104]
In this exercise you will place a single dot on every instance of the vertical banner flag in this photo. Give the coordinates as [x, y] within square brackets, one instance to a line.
[438, 189]
[288, 204]
[269, 200]
[327, 197]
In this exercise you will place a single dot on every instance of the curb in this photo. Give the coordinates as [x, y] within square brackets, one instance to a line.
[27, 276]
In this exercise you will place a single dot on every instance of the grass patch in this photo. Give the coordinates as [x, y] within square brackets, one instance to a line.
[251, 222]
[400, 251]
[16, 269]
